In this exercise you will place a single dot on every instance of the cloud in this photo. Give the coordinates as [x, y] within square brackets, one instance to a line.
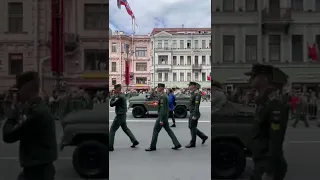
[160, 14]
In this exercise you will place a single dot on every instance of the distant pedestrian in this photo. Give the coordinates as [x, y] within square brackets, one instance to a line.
[172, 104]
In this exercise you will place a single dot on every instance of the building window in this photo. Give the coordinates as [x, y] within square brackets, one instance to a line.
[114, 67]
[96, 17]
[196, 44]
[203, 77]
[15, 17]
[174, 77]
[141, 66]
[141, 80]
[162, 59]
[166, 44]
[188, 60]
[188, 44]
[159, 44]
[114, 81]
[297, 5]
[317, 5]
[251, 5]
[251, 48]
[181, 44]
[114, 47]
[228, 5]
[141, 51]
[15, 63]
[228, 48]
[297, 48]
[274, 47]
[196, 60]
[174, 44]
[181, 76]
[203, 46]
[203, 60]
[96, 59]
[196, 75]
[188, 76]
[174, 60]
[166, 77]
[160, 77]
[181, 60]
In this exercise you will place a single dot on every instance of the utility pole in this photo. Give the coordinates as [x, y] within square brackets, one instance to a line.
[154, 61]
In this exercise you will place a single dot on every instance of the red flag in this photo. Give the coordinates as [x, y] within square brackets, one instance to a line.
[126, 5]
[127, 73]
[208, 78]
[312, 52]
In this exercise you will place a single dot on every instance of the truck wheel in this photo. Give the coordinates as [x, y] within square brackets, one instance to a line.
[138, 112]
[91, 160]
[180, 112]
[228, 160]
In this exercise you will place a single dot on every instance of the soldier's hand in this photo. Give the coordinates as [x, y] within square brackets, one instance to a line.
[161, 123]
[265, 176]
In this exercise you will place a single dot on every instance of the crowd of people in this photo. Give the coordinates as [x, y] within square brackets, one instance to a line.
[300, 101]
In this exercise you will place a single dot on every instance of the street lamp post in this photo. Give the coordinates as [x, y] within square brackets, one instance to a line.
[154, 61]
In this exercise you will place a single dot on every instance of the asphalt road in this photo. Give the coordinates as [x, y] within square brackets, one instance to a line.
[302, 149]
[165, 163]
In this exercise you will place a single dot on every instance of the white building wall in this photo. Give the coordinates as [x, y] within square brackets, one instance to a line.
[181, 51]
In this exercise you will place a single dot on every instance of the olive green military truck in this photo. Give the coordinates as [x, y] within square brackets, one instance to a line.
[231, 140]
[87, 131]
[145, 103]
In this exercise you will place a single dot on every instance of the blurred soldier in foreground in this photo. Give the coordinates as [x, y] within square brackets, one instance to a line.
[218, 99]
[162, 121]
[269, 127]
[34, 127]
[195, 114]
[120, 102]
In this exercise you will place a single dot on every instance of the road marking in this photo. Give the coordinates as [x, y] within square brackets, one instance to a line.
[304, 142]
[153, 120]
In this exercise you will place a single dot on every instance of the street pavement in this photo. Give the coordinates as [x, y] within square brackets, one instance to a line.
[165, 163]
[302, 149]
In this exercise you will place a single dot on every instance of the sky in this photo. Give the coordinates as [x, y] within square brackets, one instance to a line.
[160, 14]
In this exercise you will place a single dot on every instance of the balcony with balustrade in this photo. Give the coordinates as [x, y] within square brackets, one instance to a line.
[276, 20]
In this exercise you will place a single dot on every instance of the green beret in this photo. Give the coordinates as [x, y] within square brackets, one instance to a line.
[117, 86]
[192, 83]
[198, 86]
[161, 85]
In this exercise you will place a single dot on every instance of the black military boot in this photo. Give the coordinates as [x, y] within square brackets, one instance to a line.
[204, 139]
[134, 144]
[111, 149]
[176, 147]
[151, 149]
[190, 145]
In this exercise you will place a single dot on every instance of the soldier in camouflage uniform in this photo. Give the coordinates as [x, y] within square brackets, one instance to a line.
[120, 102]
[269, 127]
[195, 114]
[162, 121]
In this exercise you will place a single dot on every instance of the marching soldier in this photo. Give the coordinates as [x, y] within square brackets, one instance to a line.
[162, 121]
[120, 102]
[195, 115]
[34, 127]
[269, 127]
